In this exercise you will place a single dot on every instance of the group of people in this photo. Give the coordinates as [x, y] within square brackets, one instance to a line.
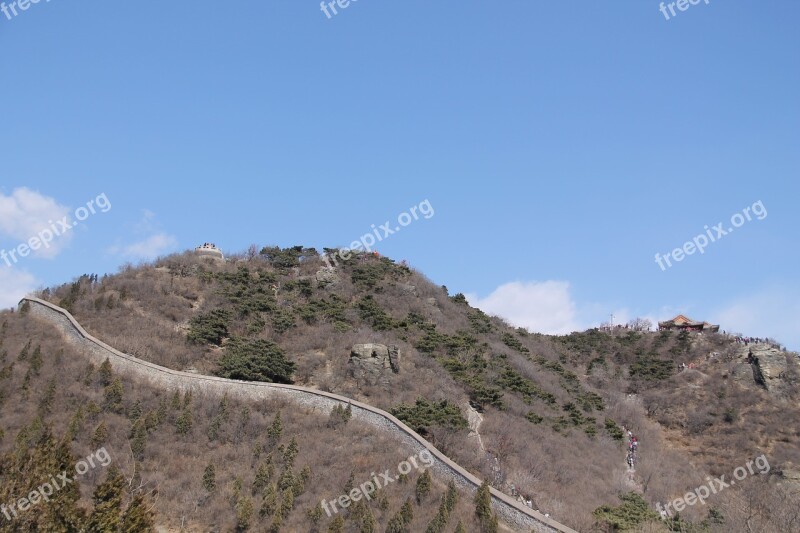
[633, 447]
[740, 339]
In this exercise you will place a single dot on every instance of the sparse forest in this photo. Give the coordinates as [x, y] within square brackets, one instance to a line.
[534, 415]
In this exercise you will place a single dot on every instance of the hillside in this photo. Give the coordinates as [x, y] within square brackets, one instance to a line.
[538, 416]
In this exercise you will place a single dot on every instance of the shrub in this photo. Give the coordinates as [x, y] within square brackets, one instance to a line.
[614, 430]
[514, 343]
[210, 328]
[374, 315]
[647, 368]
[255, 360]
[634, 511]
[424, 415]
[287, 257]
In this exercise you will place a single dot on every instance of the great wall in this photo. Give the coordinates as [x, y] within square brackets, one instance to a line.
[509, 511]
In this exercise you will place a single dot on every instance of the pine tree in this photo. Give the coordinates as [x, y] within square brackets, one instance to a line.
[263, 475]
[287, 479]
[291, 453]
[423, 486]
[275, 429]
[300, 483]
[106, 374]
[270, 502]
[210, 478]
[176, 401]
[100, 435]
[75, 424]
[107, 512]
[350, 483]
[336, 525]
[137, 517]
[483, 509]
[407, 512]
[25, 352]
[184, 422]
[314, 516]
[367, 519]
[138, 439]
[47, 399]
[36, 361]
[113, 396]
[287, 503]
[244, 513]
[451, 497]
[135, 412]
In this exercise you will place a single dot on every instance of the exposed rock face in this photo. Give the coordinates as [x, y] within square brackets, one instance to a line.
[327, 276]
[764, 365]
[371, 363]
[394, 359]
[406, 287]
[790, 473]
[770, 364]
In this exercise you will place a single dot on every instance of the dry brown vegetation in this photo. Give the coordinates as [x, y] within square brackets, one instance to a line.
[545, 434]
[168, 466]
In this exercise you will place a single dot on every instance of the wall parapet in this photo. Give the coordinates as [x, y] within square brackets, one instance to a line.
[507, 509]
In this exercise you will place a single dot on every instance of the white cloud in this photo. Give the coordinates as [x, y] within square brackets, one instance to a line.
[548, 307]
[25, 213]
[771, 312]
[148, 249]
[544, 307]
[15, 284]
[157, 242]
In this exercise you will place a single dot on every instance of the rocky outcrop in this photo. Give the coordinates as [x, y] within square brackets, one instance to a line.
[790, 474]
[327, 276]
[373, 363]
[394, 359]
[762, 365]
[512, 513]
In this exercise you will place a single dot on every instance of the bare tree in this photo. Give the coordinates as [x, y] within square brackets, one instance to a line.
[640, 324]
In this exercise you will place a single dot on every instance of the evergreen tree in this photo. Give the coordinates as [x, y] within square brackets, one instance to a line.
[138, 439]
[137, 517]
[407, 512]
[270, 502]
[36, 361]
[287, 503]
[113, 396]
[483, 509]
[106, 374]
[336, 525]
[291, 453]
[275, 429]
[107, 513]
[210, 478]
[100, 435]
[184, 423]
[423, 487]
[263, 475]
[244, 513]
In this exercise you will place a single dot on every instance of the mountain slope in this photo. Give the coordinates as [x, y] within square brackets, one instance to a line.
[551, 407]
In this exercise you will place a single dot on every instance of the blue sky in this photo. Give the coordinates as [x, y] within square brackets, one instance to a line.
[561, 145]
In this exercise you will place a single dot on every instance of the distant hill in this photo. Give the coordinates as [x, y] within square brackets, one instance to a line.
[539, 416]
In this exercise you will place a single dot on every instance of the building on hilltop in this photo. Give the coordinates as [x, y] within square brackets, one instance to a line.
[683, 323]
[209, 250]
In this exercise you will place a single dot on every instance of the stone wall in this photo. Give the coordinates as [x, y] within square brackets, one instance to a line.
[509, 511]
